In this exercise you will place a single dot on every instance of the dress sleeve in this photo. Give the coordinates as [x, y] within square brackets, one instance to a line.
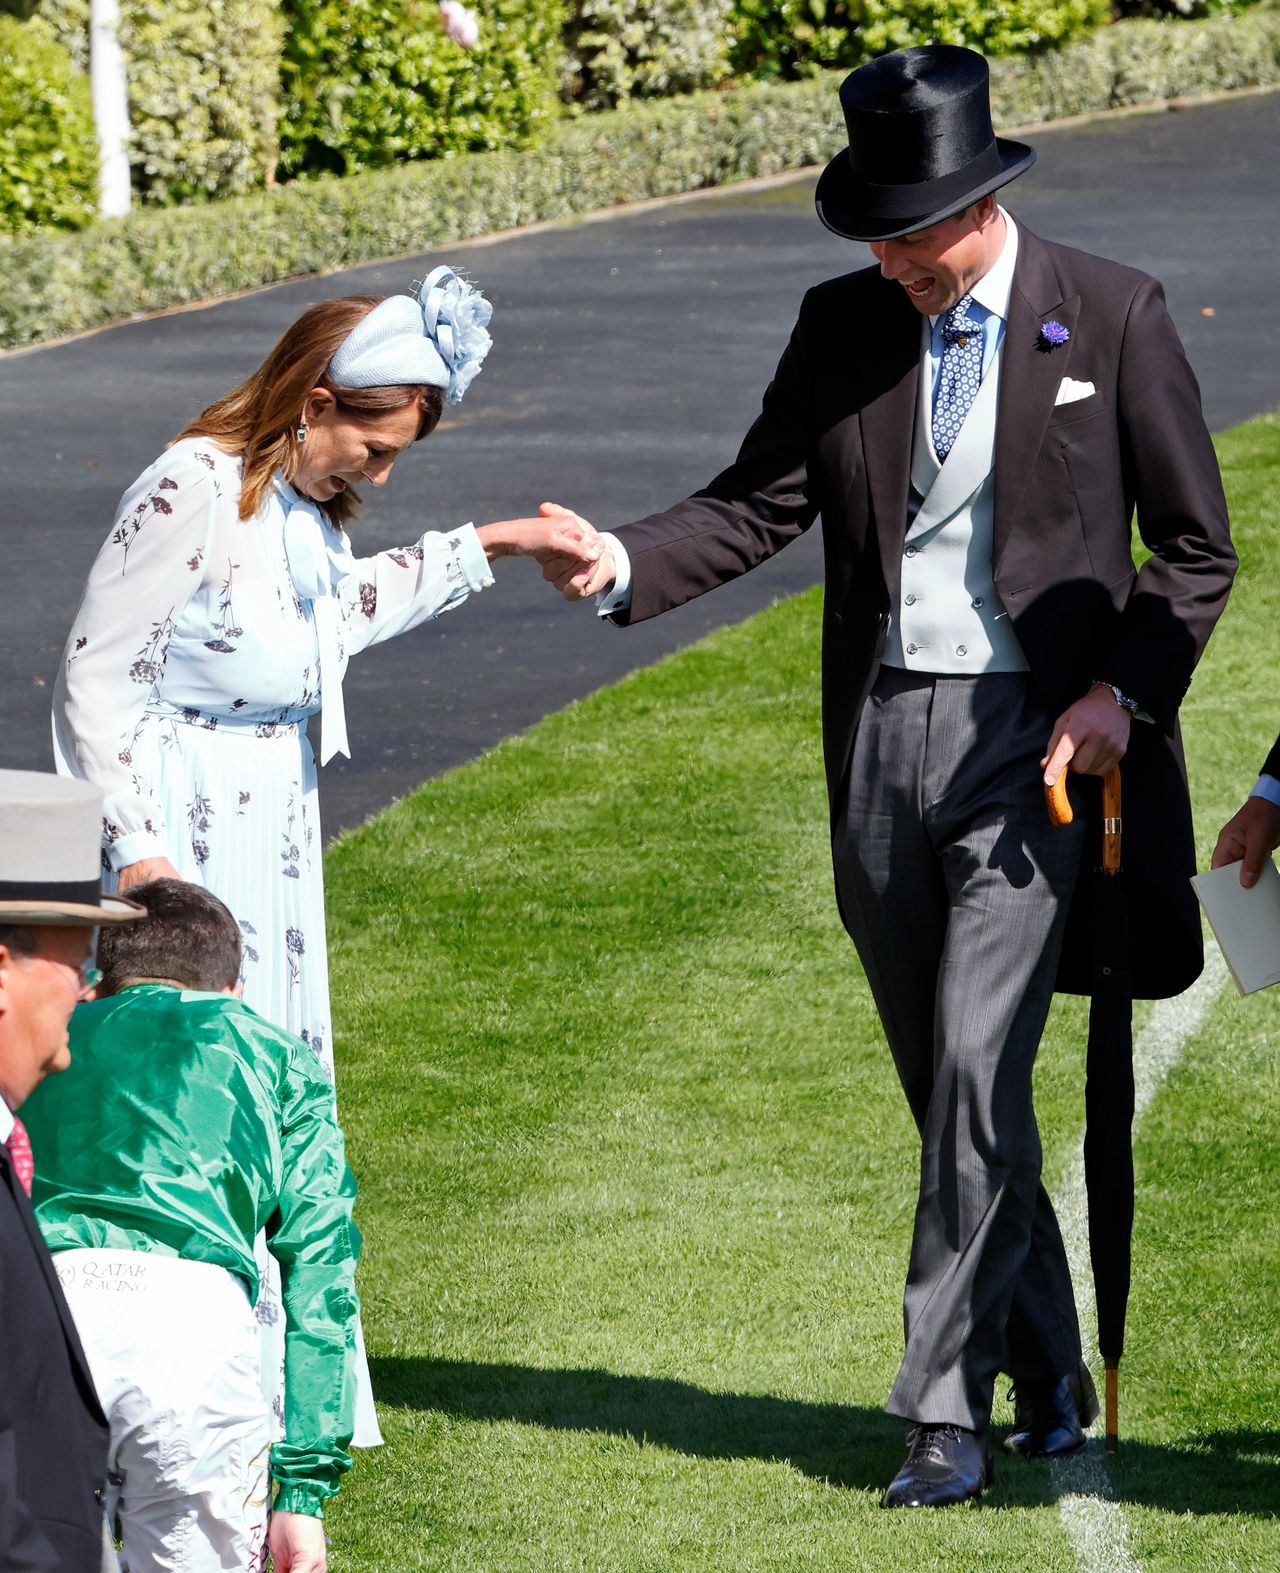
[314, 1238]
[148, 569]
[398, 589]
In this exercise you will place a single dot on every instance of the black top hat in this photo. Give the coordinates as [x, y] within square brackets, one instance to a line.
[921, 145]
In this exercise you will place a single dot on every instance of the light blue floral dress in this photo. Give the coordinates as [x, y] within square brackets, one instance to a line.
[194, 662]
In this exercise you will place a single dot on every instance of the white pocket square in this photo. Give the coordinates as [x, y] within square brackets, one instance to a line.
[1069, 391]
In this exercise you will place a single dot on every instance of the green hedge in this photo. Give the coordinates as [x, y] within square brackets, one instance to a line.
[785, 40]
[61, 284]
[623, 49]
[1010, 27]
[203, 90]
[48, 153]
[370, 83]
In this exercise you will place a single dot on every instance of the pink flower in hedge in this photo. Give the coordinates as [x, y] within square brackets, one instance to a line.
[461, 25]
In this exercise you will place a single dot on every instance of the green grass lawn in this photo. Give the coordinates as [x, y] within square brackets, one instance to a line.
[637, 1179]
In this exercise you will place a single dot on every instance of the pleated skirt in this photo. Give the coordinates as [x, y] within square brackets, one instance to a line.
[242, 818]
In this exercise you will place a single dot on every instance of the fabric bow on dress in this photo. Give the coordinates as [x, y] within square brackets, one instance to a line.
[320, 558]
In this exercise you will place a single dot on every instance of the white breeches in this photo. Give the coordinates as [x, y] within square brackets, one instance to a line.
[173, 1348]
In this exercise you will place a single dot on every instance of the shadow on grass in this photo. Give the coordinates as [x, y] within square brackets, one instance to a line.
[1226, 1473]
[838, 1443]
[1221, 1472]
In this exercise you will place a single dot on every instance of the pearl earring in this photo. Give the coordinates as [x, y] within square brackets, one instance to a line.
[302, 431]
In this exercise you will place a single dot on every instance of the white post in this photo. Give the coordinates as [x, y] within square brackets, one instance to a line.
[109, 87]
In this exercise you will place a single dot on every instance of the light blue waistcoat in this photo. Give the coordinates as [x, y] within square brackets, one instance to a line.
[949, 616]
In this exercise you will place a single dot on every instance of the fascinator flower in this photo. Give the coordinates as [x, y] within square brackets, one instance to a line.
[437, 337]
[456, 317]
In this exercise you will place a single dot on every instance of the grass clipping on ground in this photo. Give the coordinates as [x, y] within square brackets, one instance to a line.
[637, 1179]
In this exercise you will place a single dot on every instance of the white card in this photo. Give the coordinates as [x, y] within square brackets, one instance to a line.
[1245, 923]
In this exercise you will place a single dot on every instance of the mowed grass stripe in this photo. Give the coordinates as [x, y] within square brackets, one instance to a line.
[637, 1181]
[1094, 1520]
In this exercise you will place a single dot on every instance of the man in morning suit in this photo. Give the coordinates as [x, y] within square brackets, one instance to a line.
[978, 419]
[53, 1437]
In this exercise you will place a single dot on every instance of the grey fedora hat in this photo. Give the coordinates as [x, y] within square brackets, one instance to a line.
[921, 144]
[51, 854]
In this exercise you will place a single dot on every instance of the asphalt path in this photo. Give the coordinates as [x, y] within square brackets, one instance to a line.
[629, 358]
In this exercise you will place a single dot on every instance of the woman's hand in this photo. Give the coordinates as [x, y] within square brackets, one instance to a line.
[144, 869]
[556, 532]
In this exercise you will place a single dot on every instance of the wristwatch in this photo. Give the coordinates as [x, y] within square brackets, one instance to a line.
[1121, 698]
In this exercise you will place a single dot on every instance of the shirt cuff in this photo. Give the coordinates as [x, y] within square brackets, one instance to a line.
[466, 547]
[618, 598]
[138, 844]
[1269, 788]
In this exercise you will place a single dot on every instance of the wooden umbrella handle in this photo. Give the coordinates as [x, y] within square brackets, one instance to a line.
[1058, 803]
[1060, 813]
[1111, 821]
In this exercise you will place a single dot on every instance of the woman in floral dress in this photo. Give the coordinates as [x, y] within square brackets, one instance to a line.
[222, 610]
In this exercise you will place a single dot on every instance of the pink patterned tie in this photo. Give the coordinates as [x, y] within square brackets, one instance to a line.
[19, 1145]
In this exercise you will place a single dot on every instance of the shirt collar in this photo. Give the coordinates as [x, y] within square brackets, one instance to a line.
[993, 289]
[6, 1122]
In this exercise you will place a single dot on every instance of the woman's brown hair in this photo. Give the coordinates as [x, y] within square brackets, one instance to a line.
[259, 419]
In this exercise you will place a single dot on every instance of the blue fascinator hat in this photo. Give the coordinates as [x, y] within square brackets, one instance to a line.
[437, 338]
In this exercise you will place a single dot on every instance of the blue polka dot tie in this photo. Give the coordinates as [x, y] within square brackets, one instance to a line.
[959, 376]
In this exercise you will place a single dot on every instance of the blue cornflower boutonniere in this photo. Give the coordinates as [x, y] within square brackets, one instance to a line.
[1053, 334]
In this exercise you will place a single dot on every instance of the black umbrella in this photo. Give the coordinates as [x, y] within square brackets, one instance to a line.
[1108, 1140]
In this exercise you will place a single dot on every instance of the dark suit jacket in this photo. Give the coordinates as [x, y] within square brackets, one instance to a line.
[834, 438]
[53, 1437]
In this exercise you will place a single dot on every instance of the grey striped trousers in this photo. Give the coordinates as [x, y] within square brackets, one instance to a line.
[955, 887]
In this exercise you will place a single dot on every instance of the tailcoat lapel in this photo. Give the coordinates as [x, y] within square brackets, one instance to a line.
[1029, 378]
[888, 421]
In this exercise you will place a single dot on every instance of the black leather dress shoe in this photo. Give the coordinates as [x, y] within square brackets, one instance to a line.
[945, 1465]
[1049, 1418]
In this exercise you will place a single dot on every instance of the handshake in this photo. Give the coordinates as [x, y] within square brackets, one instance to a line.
[575, 557]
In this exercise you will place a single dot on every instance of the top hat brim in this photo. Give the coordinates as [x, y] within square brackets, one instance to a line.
[859, 210]
[69, 914]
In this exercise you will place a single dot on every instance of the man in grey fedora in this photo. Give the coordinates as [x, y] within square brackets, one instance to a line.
[978, 419]
[53, 1437]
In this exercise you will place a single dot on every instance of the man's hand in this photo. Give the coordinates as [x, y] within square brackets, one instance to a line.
[1090, 737]
[296, 1542]
[574, 580]
[1247, 837]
